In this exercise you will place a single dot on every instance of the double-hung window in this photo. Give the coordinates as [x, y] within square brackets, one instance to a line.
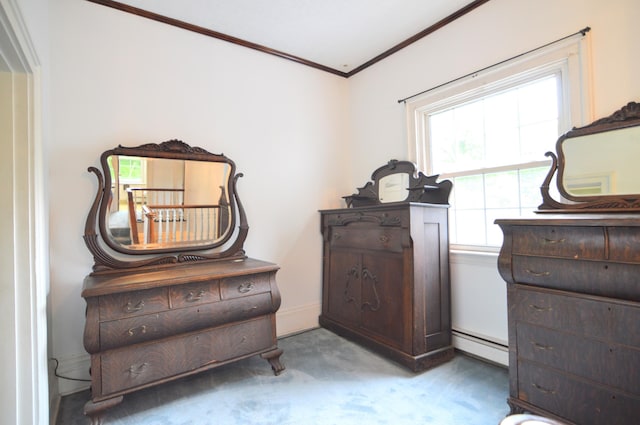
[489, 134]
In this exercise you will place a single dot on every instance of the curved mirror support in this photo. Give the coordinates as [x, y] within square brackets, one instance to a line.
[168, 202]
[398, 181]
[597, 167]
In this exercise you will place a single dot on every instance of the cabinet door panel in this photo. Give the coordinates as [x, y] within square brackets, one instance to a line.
[344, 291]
[383, 296]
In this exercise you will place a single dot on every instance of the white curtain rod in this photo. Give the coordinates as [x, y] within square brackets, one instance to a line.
[581, 32]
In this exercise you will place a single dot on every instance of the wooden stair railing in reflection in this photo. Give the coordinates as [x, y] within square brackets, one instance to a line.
[182, 223]
[139, 196]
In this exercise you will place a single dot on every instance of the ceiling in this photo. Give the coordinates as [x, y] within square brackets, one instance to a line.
[338, 36]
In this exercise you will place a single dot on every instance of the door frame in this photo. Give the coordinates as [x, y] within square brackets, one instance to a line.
[24, 271]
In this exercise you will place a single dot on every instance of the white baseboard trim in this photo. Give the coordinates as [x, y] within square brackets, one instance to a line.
[490, 351]
[298, 319]
[77, 367]
[288, 322]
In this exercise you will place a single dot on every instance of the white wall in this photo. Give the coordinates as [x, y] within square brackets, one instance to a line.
[121, 79]
[491, 33]
[303, 138]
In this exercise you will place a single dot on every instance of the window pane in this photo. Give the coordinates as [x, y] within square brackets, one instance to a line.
[494, 234]
[502, 190]
[538, 101]
[530, 181]
[468, 192]
[502, 129]
[470, 227]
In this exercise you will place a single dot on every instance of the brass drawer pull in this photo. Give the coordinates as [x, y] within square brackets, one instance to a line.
[245, 287]
[554, 241]
[138, 370]
[537, 274]
[191, 297]
[130, 308]
[542, 346]
[543, 390]
[538, 308]
[132, 331]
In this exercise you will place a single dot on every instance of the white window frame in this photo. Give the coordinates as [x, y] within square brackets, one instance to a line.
[568, 58]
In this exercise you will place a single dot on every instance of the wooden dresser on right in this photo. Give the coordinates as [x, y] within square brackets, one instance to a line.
[573, 294]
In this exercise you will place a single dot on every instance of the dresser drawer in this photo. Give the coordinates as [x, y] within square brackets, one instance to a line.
[577, 400]
[127, 304]
[133, 330]
[241, 286]
[593, 317]
[556, 241]
[624, 244]
[589, 277]
[588, 358]
[194, 294]
[371, 237]
[132, 367]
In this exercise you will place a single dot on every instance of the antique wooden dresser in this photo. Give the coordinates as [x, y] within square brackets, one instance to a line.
[181, 297]
[574, 316]
[148, 327]
[573, 281]
[386, 272]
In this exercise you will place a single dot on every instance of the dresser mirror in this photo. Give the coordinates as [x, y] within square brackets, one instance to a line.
[596, 167]
[399, 181]
[167, 202]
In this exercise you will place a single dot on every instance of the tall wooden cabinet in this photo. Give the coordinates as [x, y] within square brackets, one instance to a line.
[386, 280]
[574, 316]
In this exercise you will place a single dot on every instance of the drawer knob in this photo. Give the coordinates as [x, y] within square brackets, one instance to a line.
[130, 308]
[245, 287]
[191, 296]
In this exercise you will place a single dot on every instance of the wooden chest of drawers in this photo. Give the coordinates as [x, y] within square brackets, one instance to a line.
[145, 328]
[386, 280]
[574, 316]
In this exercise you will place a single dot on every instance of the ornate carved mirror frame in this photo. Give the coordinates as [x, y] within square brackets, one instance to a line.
[110, 254]
[620, 129]
[397, 181]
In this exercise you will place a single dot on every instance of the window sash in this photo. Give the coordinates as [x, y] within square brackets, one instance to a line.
[567, 60]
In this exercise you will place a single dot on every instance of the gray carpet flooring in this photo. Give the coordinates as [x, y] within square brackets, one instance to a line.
[328, 381]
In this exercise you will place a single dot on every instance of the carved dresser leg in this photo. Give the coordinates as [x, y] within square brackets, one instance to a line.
[95, 410]
[273, 357]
